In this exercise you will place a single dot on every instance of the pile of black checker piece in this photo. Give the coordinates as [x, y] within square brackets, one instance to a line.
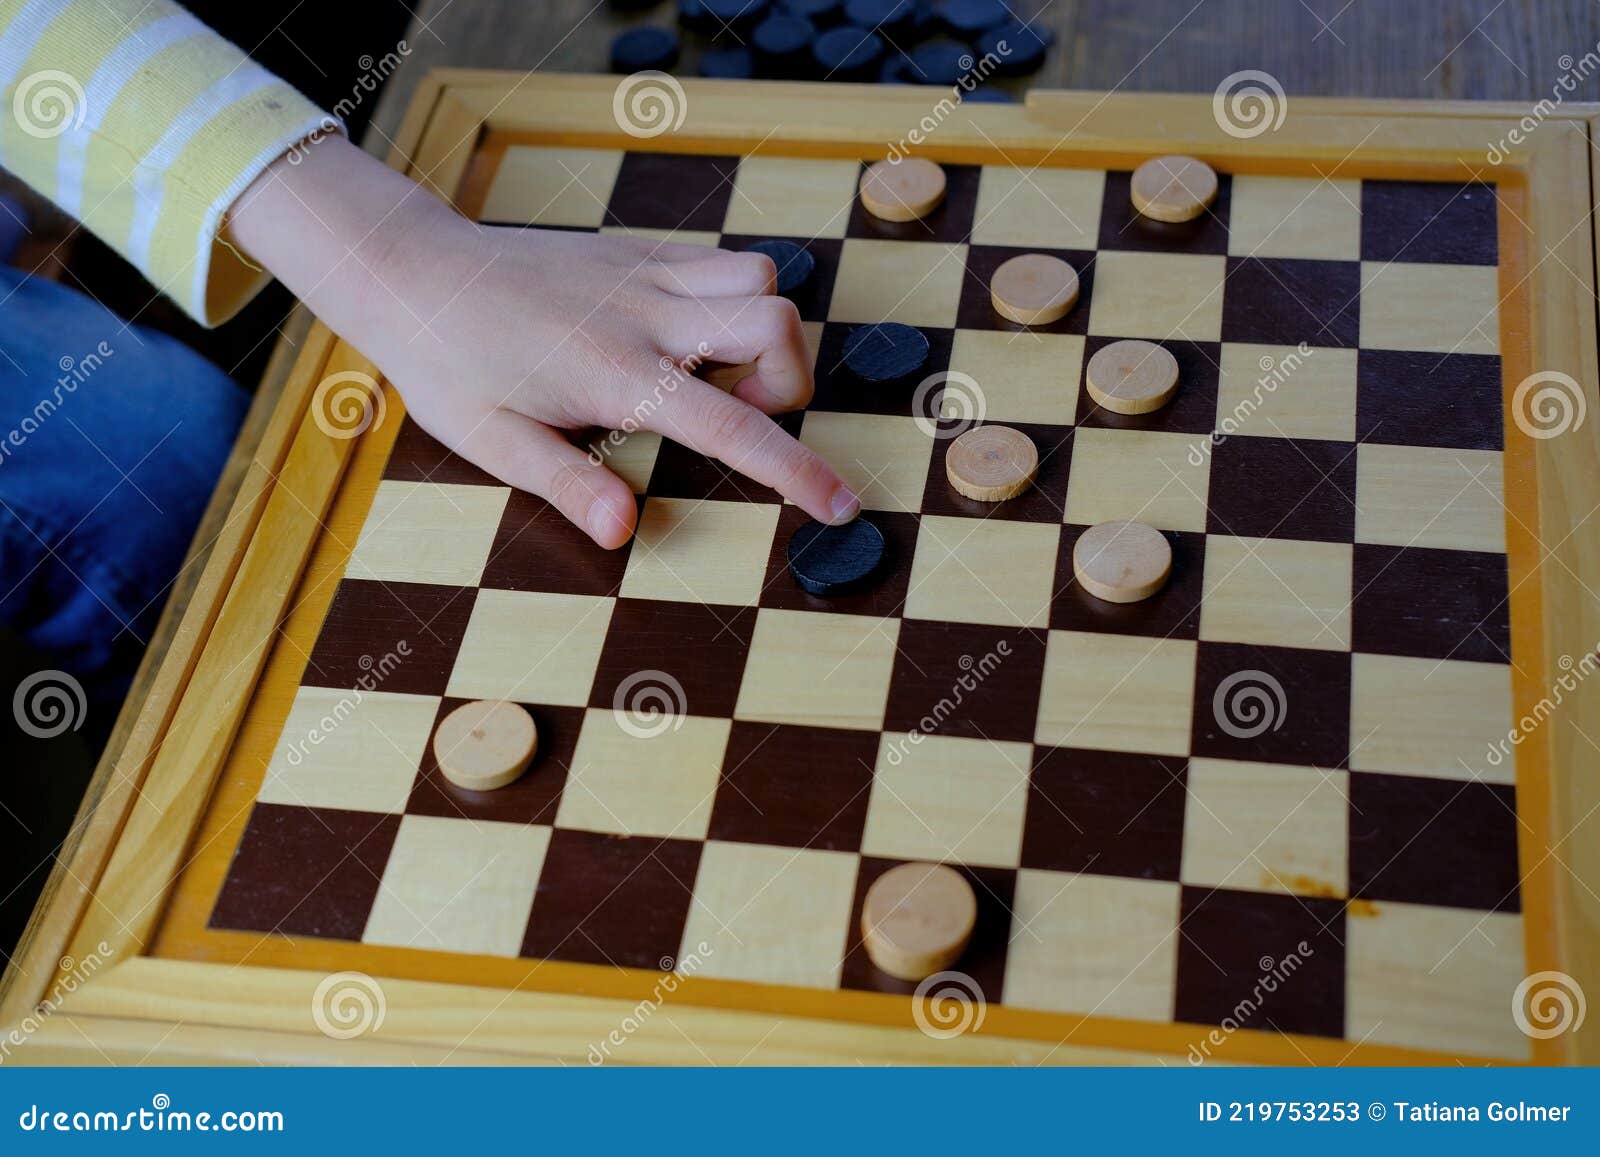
[942, 42]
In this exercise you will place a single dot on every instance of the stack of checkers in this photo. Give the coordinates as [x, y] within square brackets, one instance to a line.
[1119, 561]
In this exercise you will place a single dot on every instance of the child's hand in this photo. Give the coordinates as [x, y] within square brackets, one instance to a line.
[499, 339]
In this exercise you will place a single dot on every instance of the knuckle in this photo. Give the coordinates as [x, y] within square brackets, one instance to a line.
[567, 485]
[802, 470]
[729, 423]
[758, 267]
[779, 315]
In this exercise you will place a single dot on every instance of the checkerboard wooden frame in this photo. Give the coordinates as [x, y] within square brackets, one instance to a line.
[161, 959]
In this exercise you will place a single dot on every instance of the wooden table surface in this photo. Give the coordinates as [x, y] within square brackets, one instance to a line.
[1477, 49]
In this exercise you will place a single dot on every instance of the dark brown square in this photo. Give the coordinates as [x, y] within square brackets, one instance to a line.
[672, 191]
[1434, 841]
[1173, 612]
[390, 636]
[950, 222]
[1287, 300]
[1106, 812]
[799, 787]
[1429, 399]
[977, 307]
[305, 871]
[1044, 501]
[605, 899]
[840, 390]
[683, 473]
[1124, 227]
[814, 297]
[1433, 221]
[966, 680]
[537, 549]
[1230, 943]
[531, 799]
[702, 648]
[882, 595]
[1300, 488]
[1432, 604]
[1193, 409]
[417, 456]
[1272, 704]
[985, 958]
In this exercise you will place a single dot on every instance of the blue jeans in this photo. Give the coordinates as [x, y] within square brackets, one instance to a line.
[111, 439]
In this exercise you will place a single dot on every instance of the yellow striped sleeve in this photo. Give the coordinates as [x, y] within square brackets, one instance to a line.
[146, 126]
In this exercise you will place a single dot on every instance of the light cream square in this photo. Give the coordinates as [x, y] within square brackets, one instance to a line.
[1039, 208]
[655, 782]
[939, 798]
[818, 670]
[458, 885]
[1097, 945]
[1440, 979]
[772, 915]
[425, 532]
[692, 551]
[1021, 377]
[1282, 392]
[672, 236]
[1116, 693]
[629, 455]
[1439, 308]
[358, 750]
[792, 196]
[1157, 296]
[1150, 476]
[1421, 496]
[553, 186]
[975, 570]
[1277, 592]
[883, 458]
[1430, 717]
[1295, 217]
[1264, 827]
[531, 646]
[912, 282]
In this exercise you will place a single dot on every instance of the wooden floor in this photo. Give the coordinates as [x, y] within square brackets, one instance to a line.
[1479, 49]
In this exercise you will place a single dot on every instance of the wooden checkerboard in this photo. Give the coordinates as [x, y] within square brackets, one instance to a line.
[1353, 518]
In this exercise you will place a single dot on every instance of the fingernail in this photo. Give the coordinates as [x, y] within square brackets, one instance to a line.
[844, 505]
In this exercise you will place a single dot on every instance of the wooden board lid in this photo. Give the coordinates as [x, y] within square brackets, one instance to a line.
[902, 190]
[1034, 289]
[1122, 561]
[992, 463]
[486, 744]
[1132, 377]
[917, 919]
[1173, 188]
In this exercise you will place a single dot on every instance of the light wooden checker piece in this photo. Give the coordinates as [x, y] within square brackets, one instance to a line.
[903, 190]
[1034, 289]
[1173, 189]
[1122, 561]
[1132, 377]
[917, 919]
[485, 745]
[992, 463]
